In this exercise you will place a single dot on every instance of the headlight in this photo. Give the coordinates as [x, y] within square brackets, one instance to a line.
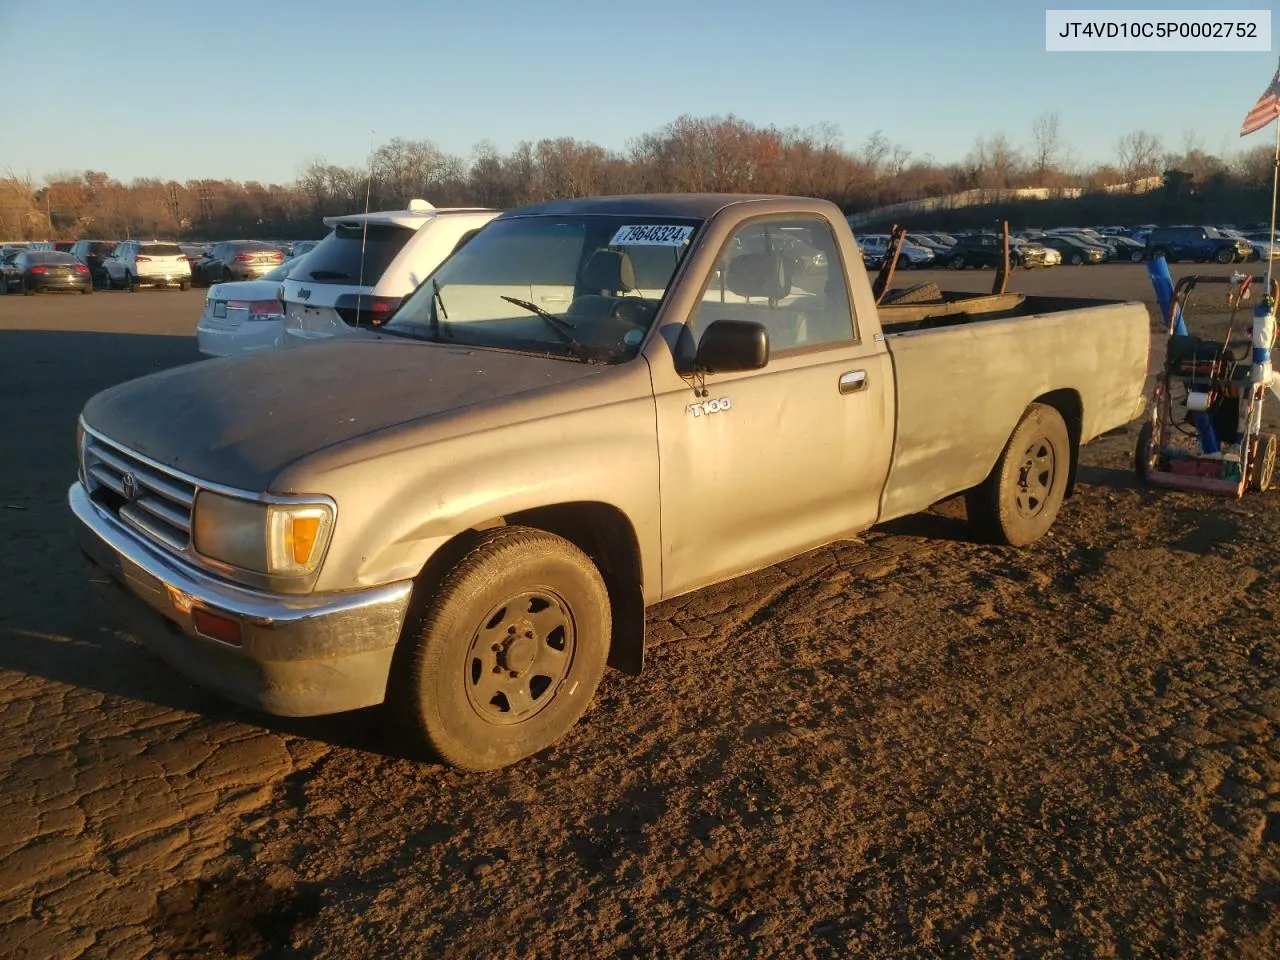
[278, 539]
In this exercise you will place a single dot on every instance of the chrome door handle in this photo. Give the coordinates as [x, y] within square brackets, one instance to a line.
[853, 381]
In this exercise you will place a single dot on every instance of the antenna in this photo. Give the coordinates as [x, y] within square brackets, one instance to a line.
[364, 232]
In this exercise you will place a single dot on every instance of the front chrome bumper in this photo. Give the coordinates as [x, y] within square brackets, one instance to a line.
[298, 655]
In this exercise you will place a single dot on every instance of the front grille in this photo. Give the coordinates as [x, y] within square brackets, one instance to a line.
[147, 498]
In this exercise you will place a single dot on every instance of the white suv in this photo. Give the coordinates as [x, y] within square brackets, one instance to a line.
[338, 290]
[147, 263]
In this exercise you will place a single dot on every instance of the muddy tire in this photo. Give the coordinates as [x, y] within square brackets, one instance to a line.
[1018, 502]
[508, 654]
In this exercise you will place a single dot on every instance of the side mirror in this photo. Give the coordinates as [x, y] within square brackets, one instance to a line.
[728, 346]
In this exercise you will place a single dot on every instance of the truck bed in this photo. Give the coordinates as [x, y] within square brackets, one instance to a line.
[964, 380]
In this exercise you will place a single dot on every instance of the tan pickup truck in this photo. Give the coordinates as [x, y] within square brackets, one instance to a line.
[593, 406]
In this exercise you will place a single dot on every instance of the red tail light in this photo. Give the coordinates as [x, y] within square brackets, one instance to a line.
[243, 257]
[258, 309]
[81, 268]
[142, 259]
[37, 270]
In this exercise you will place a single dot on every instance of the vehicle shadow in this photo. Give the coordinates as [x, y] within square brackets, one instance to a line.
[1110, 477]
[947, 520]
[55, 620]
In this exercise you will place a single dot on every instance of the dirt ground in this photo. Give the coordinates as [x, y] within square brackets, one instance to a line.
[910, 745]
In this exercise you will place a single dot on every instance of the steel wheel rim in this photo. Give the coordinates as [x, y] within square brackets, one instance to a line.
[520, 654]
[1035, 478]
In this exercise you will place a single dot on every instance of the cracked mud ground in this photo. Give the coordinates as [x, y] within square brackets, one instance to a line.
[908, 745]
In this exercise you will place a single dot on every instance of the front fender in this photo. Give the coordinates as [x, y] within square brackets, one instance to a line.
[401, 497]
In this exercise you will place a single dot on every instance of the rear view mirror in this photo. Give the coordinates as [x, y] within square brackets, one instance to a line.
[728, 346]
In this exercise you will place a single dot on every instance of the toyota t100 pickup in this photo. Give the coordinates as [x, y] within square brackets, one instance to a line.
[592, 406]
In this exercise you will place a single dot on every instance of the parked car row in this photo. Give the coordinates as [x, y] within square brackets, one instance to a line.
[980, 250]
[133, 264]
[1077, 246]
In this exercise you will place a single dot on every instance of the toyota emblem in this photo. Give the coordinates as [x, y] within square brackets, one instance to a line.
[129, 483]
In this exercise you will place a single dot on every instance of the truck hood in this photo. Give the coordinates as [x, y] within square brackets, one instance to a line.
[239, 421]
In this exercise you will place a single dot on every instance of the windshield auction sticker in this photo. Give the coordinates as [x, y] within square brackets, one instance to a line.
[651, 235]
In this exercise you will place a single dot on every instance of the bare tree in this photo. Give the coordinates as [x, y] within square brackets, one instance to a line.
[993, 162]
[1047, 148]
[875, 150]
[1139, 155]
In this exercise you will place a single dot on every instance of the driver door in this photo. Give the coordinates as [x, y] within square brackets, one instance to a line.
[773, 461]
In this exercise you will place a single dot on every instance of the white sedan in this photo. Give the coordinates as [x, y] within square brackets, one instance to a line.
[244, 316]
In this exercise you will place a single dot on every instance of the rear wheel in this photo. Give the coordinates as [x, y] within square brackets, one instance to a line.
[28, 290]
[1076, 259]
[509, 653]
[226, 275]
[1020, 499]
[131, 282]
[1135, 256]
[957, 263]
[184, 284]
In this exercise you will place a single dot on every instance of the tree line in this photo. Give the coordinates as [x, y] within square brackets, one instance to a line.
[720, 153]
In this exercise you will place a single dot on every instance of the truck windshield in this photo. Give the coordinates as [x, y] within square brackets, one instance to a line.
[580, 287]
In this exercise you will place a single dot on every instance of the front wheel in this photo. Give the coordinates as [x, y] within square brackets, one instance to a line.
[1135, 256]
[131, 283]
[1018, 502]
[957, 263]
[1224, 256]
[1076, 259]
[509, 653]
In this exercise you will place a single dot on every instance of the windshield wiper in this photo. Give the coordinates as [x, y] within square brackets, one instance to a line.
[438, 310]
[558, 326]
[329, 275]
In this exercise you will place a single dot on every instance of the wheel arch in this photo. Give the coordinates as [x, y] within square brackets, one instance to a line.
[601, 531]
[1070, 406]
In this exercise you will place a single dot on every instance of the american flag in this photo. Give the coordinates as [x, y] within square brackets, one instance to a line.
[1265, 110]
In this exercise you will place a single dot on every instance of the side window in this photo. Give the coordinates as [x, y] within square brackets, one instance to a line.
[786, 275]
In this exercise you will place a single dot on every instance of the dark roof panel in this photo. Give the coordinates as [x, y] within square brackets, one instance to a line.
[698, 205]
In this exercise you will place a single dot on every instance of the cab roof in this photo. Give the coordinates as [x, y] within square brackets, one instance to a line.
[693, 205]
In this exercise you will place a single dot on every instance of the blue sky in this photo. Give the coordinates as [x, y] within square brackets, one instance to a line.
[256, 90]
